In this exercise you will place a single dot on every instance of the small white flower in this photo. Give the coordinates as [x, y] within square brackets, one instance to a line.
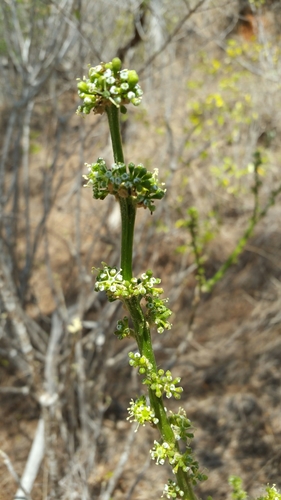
[97, 69]
[113, 90]
[124, 74]
[110, 80]
[136, 101]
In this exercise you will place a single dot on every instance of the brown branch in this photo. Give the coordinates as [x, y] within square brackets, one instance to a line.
[136, 38]
[171, 36]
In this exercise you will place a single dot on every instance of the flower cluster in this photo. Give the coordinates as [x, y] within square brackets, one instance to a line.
[172, 490]
[158, 313]
[123, 181]
[107, 84]
[140, 362]
[163, 382]
[122, 329]
[110, 280]
[139, 411]
[181, 425]
[160, 382]
[161, 452]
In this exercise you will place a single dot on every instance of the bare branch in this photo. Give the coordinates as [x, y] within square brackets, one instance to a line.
[120, 466]
[171, 36]
[13, 473]
[33, 463]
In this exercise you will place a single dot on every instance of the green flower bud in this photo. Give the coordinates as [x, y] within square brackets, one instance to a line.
[131, 167]
[123, 110]
[82, 86]
[140, 170]
[100, 81]
[132, 78]
[116, 64]
[89, 99]
[159, 194]
[136, 101]
[94, 72]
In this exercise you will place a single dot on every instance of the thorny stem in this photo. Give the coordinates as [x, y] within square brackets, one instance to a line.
[141, 328]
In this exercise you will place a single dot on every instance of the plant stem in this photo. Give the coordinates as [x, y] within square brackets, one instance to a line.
[144, 342]
[141, 328]
[127, 208]
[114, 127]
[128, 216]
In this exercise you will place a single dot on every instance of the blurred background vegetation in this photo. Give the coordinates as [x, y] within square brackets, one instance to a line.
[210, 71]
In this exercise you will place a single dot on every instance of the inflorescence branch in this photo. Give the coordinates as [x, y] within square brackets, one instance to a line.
[108, 89]
[123, 181]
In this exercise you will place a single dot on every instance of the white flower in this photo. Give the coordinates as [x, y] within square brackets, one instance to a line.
[75, 326]
[110, 80]
[124, 74]
[113, 90]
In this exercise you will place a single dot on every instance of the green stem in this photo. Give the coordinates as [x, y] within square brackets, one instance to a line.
[128, 216]
[127, 208]
[114, 127]
[257, 215]
[144, 342]
[141, 328]
[210, 283]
